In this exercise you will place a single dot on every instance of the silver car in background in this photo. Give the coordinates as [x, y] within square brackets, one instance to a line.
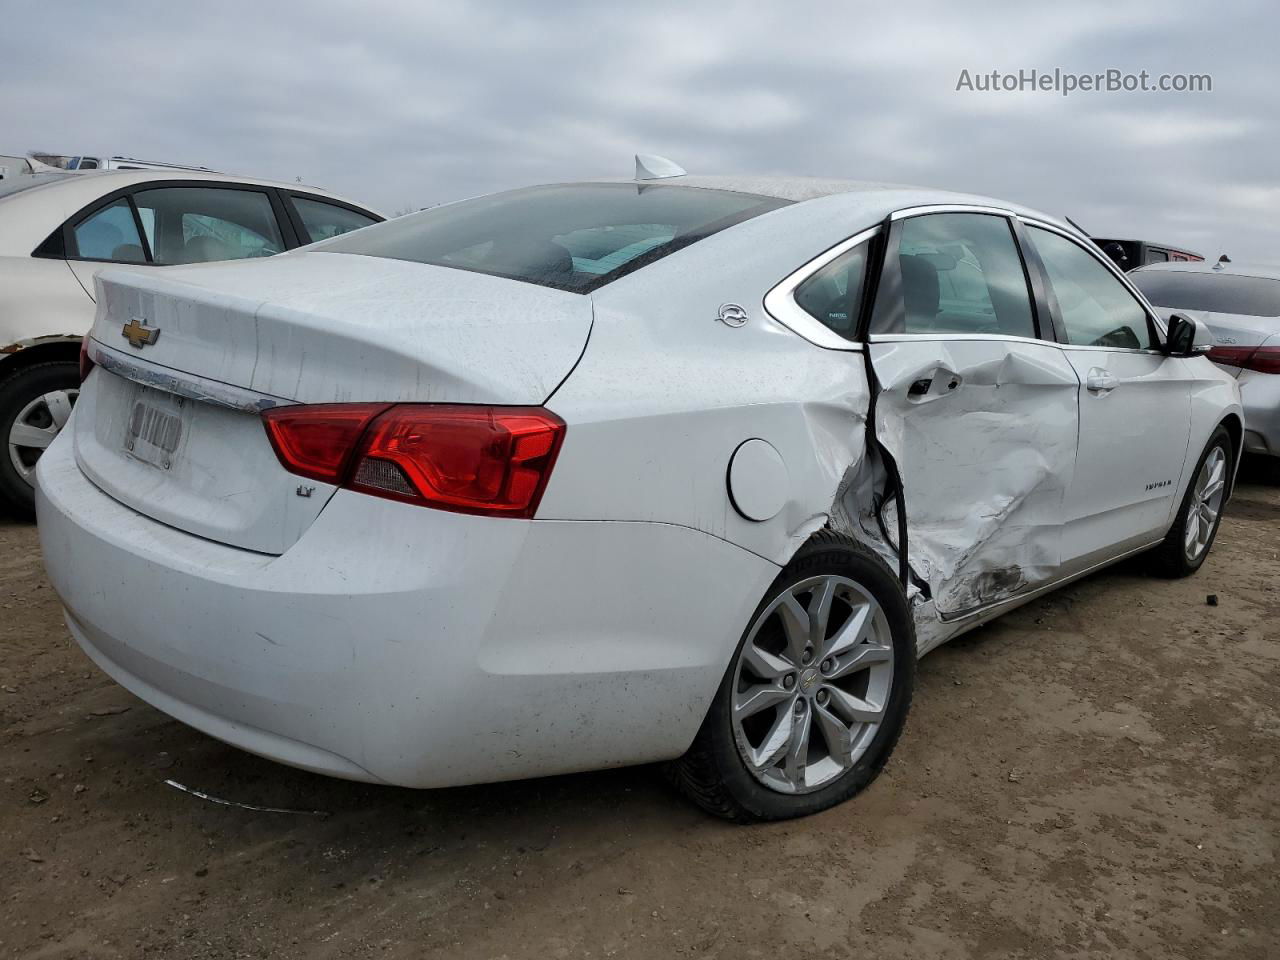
[1241, 304]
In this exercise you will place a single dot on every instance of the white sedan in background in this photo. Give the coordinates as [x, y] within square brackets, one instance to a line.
[58, 228]
[675, 468]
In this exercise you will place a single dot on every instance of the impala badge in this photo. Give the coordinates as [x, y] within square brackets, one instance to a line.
[732, 315]
[138, 333]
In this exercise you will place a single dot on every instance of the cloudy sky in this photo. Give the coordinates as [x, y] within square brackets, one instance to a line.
[406, 104]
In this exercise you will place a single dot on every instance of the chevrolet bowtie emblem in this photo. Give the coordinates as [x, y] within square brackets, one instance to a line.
[138, 333]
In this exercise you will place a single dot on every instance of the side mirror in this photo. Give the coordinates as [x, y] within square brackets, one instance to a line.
[1187, 336]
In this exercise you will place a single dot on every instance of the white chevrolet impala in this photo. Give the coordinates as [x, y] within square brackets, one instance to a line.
[668, 469]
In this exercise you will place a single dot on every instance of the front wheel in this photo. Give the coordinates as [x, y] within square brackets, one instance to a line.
[1187, 544]
[817, 693]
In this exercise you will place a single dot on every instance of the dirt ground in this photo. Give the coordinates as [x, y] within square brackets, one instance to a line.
[1093, 775]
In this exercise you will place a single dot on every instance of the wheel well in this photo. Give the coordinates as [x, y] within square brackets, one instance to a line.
[42, 351]
[1236, 430]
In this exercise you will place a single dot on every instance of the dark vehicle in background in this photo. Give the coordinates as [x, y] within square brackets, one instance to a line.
[1241, 305]
[1131, 254]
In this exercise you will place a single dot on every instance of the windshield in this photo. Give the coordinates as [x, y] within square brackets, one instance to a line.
[25, 181]
[1215, 293]
[574, 237]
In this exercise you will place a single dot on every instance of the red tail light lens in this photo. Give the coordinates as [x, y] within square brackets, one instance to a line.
[1265, 360]
[491, 460]
[1261, 359]
[317, 441]
[86, 362]
[469, 459]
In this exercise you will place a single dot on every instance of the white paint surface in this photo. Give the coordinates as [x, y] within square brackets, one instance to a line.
[758, 480]
[414, 646]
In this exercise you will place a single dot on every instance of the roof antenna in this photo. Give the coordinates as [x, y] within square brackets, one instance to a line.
[652, 167]
[1221, 260]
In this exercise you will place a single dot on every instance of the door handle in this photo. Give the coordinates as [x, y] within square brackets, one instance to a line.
[940, 384]
[1101, 381]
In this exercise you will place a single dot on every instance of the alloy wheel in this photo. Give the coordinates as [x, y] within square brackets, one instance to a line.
[34, 428]
[1206, 502]
[812, 684]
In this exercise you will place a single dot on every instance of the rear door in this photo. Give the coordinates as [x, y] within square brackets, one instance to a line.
[202, 224]
[174, 222]
[977, 410]
[1135, 405]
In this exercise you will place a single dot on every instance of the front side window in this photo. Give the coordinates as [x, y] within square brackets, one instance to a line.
[960, 273]
[832, 294]
[1096, 309]
[110, 234]
[1210, 292]
[574, 237]
[323, 221]
[201, 224]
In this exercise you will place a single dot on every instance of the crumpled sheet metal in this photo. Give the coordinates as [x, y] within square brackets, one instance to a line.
[986, 453]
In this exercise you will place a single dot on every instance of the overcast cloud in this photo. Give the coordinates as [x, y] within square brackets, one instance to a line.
[409, 104]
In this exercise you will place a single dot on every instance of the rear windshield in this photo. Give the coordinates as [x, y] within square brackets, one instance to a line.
[1216, 293]
[574, 237]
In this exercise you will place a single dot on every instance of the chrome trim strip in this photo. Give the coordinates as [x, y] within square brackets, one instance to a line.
[182, 384]
[1090, 346]
[942, 335]
[999, 606]
[780, 303]
[928, 208]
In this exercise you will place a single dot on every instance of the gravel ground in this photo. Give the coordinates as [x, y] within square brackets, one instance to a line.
[1093, 775]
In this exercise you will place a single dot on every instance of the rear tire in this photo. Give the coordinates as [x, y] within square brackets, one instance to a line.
[21, 400]
[1184, 549]
[857, 663]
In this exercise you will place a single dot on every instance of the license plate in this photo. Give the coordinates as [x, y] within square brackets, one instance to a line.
[156, 427]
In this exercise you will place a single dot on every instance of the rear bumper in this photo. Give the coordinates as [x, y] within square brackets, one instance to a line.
[403, 645]
[1260, 395]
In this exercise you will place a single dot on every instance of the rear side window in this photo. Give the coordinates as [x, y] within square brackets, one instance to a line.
[323, 221]
[1096, 309]
[1212, 292]
[575, 237]
[200, 224]
[110, 234]
[960, 273]
[832, 295]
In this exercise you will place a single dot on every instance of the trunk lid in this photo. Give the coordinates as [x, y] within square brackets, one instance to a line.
[172, 427]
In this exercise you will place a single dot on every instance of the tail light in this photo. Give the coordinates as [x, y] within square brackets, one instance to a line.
[469, 459]
[1260, 359]
[318, 441]
[86, 362]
